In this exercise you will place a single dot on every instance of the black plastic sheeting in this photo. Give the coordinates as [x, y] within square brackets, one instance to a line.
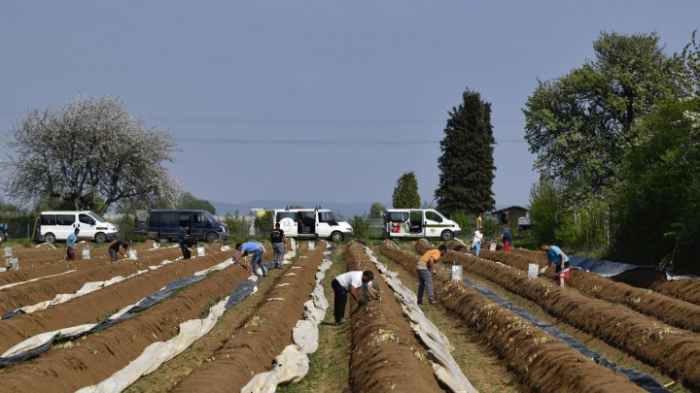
[12, 314]
[602, 267]
[643, 380]
[146, 303]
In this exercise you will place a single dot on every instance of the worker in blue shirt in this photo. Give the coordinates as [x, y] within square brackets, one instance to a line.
[70, 245]
[252, 248]
[507, 239]
[557, 257]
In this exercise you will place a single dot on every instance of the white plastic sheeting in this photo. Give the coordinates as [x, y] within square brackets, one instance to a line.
[41, 339]
[160, 352]
[445, 368]
[88, 287]
[292, 364]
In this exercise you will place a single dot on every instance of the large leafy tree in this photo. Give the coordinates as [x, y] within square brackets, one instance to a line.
[91, 154]
[581, 124]
[189, 201]
[466, 164]
[406, 192]
[376, 210]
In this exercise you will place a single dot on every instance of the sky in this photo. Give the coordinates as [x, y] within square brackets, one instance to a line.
[309, 100]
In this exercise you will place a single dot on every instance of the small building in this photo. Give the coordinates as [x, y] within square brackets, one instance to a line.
[511, 214]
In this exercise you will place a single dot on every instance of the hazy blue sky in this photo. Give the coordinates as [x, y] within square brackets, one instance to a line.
[360, 73]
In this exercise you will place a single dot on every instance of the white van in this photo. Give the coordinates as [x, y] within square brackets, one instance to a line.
[57, 225]
[419, 223]
[312, 223]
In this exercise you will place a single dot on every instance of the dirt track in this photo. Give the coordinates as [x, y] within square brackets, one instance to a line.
[674, 352]
[541, 362]
[253, 346]
[385, 355]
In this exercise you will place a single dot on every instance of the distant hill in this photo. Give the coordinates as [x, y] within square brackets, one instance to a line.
[347, 210]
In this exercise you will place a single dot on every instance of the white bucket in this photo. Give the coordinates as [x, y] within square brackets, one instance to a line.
[14, 264]
[457, 272]
[86, 253]
[133, 254]
[312, 245]
[8, 251]
[492, 246]
[533, 270]
[201, 252]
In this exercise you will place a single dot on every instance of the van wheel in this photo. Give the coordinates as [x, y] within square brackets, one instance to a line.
[211, 237]
[100, 237]
[336, 237]
[50, 238]
[447, 235]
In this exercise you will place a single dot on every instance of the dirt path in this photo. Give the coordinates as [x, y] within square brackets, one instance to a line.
[540, 360]
[251, 349]
[171, 373]
[478, 363]
[673, 352]
[328, 372]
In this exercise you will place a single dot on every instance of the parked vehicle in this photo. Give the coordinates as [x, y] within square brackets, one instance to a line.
[417, 223]
[312, 223]
[57, 225]
[166, 224]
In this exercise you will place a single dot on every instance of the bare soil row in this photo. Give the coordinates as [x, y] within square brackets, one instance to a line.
[540, 361]
[253, 346]
[95, 357]
[687, 290]
[673, 352]
[672, 311]
[385, 355]
[100, 304]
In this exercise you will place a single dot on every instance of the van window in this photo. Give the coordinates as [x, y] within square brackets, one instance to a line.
[164, 220]
[282, 215]
[199, 219]
[65, 219]
[398, 216]
[432, 216]
[416, 216]
[48, 219]
[85, 219]
[184, 219]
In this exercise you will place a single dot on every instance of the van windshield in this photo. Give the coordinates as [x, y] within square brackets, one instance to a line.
[96, 217]
[209, 216]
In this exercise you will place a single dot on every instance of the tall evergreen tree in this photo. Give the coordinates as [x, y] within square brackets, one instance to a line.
[406, 192]
[466, 164]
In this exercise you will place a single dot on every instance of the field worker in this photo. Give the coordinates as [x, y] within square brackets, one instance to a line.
[476, 241]
[349, 282]
[252, 248]
[70, 245]
[507, 239]
[182, 236]
[424, 268]
[118, 247]
[556, 256]
[277, 240]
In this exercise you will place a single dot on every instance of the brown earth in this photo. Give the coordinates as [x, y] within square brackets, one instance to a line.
[540, 361]
[253, 346]
[89, 361]
[672, 351]
[385, 355]
[40, 266]
[687, 290]
[667, 309]
[46, 289]
[99, 304]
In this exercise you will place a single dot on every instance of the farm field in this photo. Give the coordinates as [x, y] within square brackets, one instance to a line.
[160, 323]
